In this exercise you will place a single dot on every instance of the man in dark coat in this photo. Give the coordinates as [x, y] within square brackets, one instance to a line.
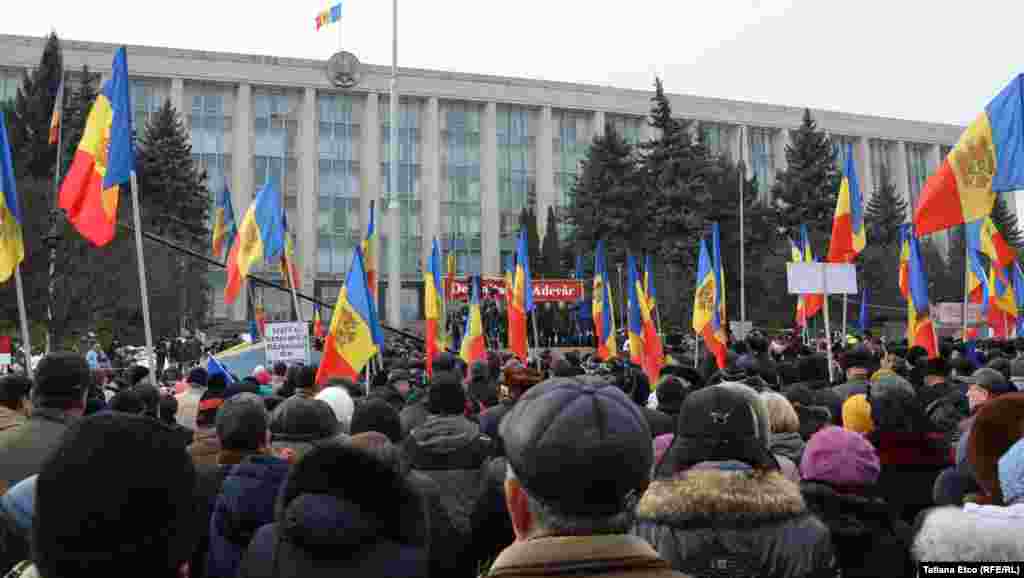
[62, 384]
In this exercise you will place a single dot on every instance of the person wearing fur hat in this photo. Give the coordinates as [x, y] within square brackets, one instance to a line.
[839, 470]
[719, 504]
[145, 524]
[61, 387]
[188, 400]
[329, 522]
[300, 423]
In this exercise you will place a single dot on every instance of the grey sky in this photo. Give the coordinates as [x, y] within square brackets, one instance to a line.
[934, 60]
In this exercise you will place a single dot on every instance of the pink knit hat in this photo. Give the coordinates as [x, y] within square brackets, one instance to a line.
[841, 457]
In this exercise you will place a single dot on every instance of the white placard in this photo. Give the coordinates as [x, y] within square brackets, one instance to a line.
[741, 329]
[287, 342]
[803, 278]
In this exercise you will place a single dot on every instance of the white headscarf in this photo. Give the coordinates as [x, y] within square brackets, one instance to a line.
[342, 404]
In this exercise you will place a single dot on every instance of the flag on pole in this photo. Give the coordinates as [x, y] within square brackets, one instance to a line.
[104, 160]
[984, 237]
[1002, 310]
[215, 367]
[977, 279]
[349, 345]
[652, 301]
[848, 237]
[603, 308]
[432, 307]
[706, 321]
[58, 112]
[318, 326]
[522, 301]
[474, 348]
[261, 236]
[644, 343]
[797, 256]
[451, 267]
[328, 16]
[224, 226]
[985, 162]
[719, 272]
[914, 287]
[260, 318]
[12, 242]
[510, 268]
[289, 268]
[813, 303]
[635, 328]
[370, 254]
[865, 315]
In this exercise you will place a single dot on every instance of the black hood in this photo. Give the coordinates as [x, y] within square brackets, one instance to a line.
[323, 522]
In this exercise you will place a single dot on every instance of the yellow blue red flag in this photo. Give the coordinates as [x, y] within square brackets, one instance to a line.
[603, 308]
[706, 321]
[328, 16]
[12, 243]
[848, 237]
[474, 347]
[914, 286]
[260, 236]
[224, 226]
[433, 306]
[349, 344]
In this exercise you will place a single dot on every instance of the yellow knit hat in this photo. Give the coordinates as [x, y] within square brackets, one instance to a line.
[857, 414]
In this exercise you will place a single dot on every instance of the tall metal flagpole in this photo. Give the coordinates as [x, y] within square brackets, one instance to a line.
[963, 310]
[287, 260]
[844, 316]
[828, 331]
[394, 246]
[140, 258]
[743, 261]
[26, 342]
[54, 236]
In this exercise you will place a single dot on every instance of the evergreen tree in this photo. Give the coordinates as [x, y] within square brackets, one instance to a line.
[885, 212]
[550, 251]
[33, 108]
[805, 193]
[1006, 221]
[175, 204]
[76, 111]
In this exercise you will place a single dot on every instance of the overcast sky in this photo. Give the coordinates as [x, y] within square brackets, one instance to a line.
[934, 60]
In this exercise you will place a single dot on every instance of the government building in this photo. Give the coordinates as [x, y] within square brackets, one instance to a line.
[472, 150]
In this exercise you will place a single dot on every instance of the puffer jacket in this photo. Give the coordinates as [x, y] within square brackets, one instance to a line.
[24, 447]
[788, 444]
[869, 538]
[712, 523]
[205, 447]
[245, 503]
[971, 534]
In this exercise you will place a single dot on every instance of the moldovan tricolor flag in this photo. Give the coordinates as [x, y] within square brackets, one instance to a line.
[1002, 310]
[914, 286]
[105, 159]
[644, 342]
[474, 348]
[985, 162]
[432, 308]
[848, 237]
[349, 344]
[810, 304]
[984, 237]
[12, 243]
[261, 236]
[705, 313]
[602, 309]
[224, 226]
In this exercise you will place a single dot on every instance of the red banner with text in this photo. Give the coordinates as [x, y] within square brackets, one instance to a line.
[544, 290]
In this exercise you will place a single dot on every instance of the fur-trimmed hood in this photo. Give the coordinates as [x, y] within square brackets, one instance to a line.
[739, 498]
[971, 534]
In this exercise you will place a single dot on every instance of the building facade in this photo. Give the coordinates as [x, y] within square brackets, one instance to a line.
[472, 151]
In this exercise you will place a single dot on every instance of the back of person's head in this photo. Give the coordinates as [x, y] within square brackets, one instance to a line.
[149, 395]
[14, 391]
[781, 415]
[443, 362]
[895, 406]
[128, 401]
[1002, 365]
[840, 457]
[341, 404]
[168, 409]
[303, 420]
[998, 425]
[136, 374]
[199, 377]
[305, 378]
[96, 517]
[377, 415]
[242, 423]
[445, 395]
[62, 380]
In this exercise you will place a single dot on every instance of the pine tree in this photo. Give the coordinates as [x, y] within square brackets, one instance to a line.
[885, 212]
[805, 193]
[33, 108]
[550, 248]
[1006, 222]
[175, 204]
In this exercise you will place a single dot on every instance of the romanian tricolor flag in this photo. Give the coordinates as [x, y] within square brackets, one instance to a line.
[58, 112]
[652, 301]
[349, 344]
[328, 16]
[318, 325]
[1002, 310]
[433, 306]
[12, 243]
[985, 162]
[261, 236]
[603, 309]
[370, 253]
[706, 321]
[848, 237]
[914, 287]
[105, 159]
[645, 347]
[474, 347]
[288, 266]
[224, 226]
[522, 301]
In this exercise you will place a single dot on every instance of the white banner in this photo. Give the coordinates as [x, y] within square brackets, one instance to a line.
[287, 342]
[805, 278]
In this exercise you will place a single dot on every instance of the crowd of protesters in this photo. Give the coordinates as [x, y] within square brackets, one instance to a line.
[567, 465]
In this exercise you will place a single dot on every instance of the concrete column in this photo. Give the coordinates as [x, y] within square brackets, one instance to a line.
[862, 153]
[547, 195]
[598, 124]
[490, 219]
[241, 173]
[305, 228]
[738, 147]
[782, 139]
[177, 95]
[898, 160]
[430, 191]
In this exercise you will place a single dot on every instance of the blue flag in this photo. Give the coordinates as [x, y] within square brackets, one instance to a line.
[865, 320]
[215, 367]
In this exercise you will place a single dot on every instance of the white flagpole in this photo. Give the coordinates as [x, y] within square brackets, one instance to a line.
[844, 317]
[828, 331]
[26, 342]
[137, 216]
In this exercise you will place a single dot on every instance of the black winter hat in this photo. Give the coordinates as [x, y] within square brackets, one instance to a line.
[145, 516]
[198, 376]
[301, 419]
[62, 375]
[445, 395]
[377, 415]
[579, 445]
[242, 422]
[127, 401]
